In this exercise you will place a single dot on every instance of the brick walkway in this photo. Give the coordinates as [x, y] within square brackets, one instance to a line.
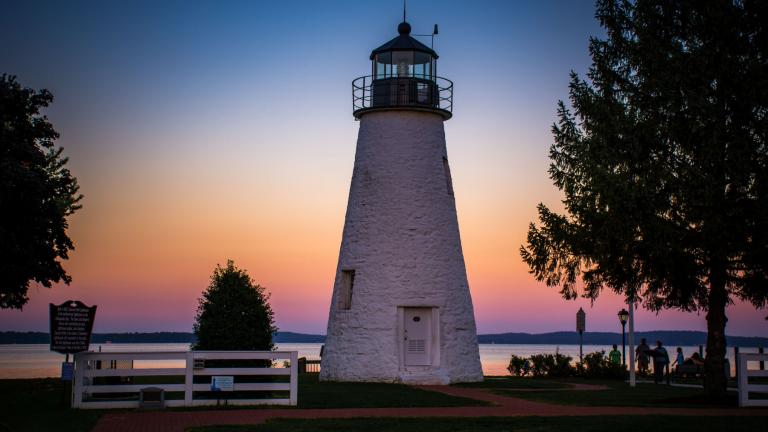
[504, 406]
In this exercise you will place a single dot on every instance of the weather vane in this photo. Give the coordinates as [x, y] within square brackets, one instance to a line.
[434, 30]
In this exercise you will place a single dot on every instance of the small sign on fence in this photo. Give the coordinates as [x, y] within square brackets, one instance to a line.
[67, 371]
[222, 383]
[71, 325]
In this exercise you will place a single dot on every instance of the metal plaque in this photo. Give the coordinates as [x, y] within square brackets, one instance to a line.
[71, 326]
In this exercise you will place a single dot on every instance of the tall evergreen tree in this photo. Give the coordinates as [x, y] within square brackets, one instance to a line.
[37, 195]
[663, 163]
[234, 313]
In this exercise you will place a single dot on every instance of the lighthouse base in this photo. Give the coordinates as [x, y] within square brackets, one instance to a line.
[425, 376]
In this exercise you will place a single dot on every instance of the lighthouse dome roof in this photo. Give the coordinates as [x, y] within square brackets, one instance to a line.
[404, 42]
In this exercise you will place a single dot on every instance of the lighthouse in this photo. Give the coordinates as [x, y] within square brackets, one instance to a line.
[401, 309]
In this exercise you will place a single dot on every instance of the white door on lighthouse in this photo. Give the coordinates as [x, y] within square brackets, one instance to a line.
[417, 336]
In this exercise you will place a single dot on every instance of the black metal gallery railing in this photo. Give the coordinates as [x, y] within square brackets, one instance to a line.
[402, 92]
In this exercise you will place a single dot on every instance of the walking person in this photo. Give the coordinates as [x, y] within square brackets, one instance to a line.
[679, 359]
[660, 362]
[642, 356]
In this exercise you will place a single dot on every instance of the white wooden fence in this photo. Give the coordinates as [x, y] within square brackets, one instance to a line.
[89, 390]
[745, 373]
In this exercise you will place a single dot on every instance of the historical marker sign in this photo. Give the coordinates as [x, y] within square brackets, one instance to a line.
[71, 325]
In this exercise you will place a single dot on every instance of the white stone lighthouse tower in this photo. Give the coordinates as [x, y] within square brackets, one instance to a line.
[401, 309]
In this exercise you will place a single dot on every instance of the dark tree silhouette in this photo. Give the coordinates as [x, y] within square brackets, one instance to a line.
[37, 195]
[663, 162]
[234, 313]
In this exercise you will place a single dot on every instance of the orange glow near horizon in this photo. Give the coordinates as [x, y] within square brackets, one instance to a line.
[146, 257]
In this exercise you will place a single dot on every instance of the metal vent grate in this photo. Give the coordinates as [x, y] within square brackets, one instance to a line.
[416, 345]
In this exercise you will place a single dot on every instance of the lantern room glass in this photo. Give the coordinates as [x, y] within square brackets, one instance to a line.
[404, 64]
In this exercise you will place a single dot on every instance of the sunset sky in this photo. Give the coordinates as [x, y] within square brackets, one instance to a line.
[207, 131]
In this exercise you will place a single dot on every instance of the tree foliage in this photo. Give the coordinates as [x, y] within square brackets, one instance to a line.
[234, 313]
[596, 365]
[663, 163]
[37, 195]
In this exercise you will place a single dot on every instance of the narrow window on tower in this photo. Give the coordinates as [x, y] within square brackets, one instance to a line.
[447, 171]
[347, 285]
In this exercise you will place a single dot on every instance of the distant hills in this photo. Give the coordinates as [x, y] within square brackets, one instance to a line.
[158, 337]
[683, 338]
[668, 337]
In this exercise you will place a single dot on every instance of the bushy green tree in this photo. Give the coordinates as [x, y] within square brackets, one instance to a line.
[597, 365]
[663, 162]
[518, 365]
[234, 313]
[551, 365]
[37, 195]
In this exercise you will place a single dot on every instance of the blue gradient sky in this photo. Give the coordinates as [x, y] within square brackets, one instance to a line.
[202, 131]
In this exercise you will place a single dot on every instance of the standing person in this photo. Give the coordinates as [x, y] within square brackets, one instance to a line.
[660, 362]
[642, 356]
[614, 356]
[679, 359]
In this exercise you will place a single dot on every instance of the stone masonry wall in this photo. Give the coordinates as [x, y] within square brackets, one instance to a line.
[401, 236]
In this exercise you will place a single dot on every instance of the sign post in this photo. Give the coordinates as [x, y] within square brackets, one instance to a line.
[71, 325]
[581, 325]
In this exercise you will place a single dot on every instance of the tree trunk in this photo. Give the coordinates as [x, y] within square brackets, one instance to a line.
[715, 380]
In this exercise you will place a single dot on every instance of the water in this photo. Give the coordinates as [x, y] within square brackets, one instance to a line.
[36, 361]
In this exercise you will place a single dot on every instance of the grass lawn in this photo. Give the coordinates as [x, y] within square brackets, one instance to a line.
[509, 382]
[315, 394]
[621, 394]
[503, 424]
[36, 405]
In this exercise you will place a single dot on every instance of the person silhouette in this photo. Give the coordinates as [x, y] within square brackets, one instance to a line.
[660, 362]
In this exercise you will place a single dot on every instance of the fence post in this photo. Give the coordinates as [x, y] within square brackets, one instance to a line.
[736, 357]
[741, 374]
[701, 351]
[762, 363]
[294, 378]
[189, 379]
[78, 376]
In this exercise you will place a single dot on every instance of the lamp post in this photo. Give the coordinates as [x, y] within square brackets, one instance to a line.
[631, 342]
[623, 317]
[581, 324]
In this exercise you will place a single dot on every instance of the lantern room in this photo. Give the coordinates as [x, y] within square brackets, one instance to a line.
[404, 57]
[403, 76]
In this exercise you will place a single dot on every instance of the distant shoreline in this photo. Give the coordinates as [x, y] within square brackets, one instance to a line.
[669, 337]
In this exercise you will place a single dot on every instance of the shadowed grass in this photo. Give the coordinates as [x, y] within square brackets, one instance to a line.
[621, 394]
[496, 382]
[37, 405]
[502, 424]
[316, 394]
